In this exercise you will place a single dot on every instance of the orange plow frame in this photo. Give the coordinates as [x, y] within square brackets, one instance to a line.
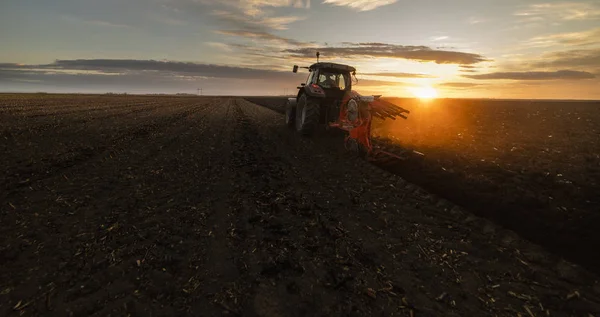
[359, 129]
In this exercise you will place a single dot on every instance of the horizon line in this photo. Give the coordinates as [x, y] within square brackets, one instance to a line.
[282, 96]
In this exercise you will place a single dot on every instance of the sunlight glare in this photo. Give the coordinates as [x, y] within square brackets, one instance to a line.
[426, 92]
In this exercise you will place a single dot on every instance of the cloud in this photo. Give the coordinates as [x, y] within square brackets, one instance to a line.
[459, 85]
[11, 65]
[468, 69]
[169, 7]
[263, 53]
[374, 50]
[261, 36]
[95, 22]
[143, 76]
[400, 75]
[221, 46]
[589, 37]
[572, 58]
[169, 21]
[107, 24]
[361, 5]
[241, 21]
[535, 75]
[379, 83]
[245, 14]
[475, 20]
[439, 38]
[255, 8]
[139, 83]
[565, 11]
[377, 44]
[165, 68]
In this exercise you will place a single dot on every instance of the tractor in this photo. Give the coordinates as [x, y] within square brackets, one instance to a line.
[326, 99]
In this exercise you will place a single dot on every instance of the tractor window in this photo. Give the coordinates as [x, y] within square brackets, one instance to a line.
[341, 81]
[331, 80]
[324, 80]
[309, 80]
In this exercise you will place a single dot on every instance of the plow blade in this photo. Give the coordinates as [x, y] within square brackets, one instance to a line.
[392, 154]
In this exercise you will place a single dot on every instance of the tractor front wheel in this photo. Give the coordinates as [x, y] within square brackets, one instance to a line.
[307, 115]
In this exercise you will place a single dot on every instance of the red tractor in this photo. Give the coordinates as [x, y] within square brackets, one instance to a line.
[327, 99]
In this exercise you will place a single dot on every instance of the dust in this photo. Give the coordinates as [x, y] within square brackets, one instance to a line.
[489, 130]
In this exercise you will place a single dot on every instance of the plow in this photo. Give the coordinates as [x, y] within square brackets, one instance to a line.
[327, 99]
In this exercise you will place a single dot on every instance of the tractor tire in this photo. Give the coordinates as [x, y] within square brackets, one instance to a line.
[290, 114]
[307, 116]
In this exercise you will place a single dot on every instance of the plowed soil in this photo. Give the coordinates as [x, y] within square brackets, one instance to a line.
[199, 206]
[531, 166]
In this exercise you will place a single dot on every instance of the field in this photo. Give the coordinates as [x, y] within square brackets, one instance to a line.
[531, 166]
[162, 206]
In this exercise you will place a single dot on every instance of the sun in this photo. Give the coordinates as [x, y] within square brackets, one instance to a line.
[425, 92]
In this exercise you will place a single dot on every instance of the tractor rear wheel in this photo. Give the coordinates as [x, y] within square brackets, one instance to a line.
[307, 115]
[290, 114]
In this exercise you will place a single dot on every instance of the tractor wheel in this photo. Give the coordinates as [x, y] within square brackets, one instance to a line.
[290, 115]
[307, 116]
[356, 148]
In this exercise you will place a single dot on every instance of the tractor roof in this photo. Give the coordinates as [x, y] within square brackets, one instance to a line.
[335, 66]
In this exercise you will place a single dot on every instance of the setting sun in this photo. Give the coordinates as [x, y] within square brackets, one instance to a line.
[424, 92]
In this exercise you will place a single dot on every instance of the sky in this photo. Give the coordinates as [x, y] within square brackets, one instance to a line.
[461, 48]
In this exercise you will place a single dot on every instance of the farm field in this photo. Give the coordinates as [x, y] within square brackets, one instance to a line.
[162, 206]
[531, 166]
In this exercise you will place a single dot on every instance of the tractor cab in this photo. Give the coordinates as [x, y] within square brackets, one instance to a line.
[334, 79]
[330, 76]
[326, 84]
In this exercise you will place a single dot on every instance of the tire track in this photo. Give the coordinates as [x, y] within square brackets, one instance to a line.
[195, 233]
[102, 252]
[294, 240]
[72, 109]
[30, 124]
[91, 103]
[22, 176]
[162, 245]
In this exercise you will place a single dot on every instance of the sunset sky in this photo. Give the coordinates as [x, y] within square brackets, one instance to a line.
[462, 48]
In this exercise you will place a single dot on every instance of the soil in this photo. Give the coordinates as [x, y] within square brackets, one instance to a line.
[530, 166]
[162, 206]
